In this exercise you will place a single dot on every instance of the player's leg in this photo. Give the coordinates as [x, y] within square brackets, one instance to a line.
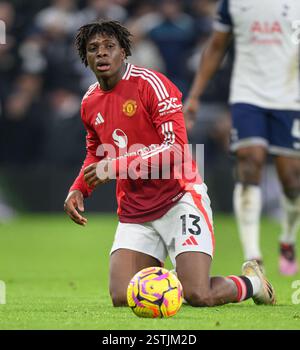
[202, 290]
[188, 234]
[136, 246]
[249, 142]
[193, 269]
[247, 198]
[124, 264]
[285, 145]
[289, 174]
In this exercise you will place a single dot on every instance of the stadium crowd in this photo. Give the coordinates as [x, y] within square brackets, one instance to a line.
[42, 79]
[42, 82]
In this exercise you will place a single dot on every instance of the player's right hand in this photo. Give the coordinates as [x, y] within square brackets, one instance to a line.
[73, 203]
[190, 110]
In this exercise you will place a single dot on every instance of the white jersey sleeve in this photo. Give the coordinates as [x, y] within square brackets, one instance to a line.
[223, 22]
[266, 66]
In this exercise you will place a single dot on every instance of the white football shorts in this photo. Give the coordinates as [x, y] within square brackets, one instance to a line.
[186, 227]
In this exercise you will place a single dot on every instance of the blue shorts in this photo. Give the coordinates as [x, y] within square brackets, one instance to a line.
[277, 130]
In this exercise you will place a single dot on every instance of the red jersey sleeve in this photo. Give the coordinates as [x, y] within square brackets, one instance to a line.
[162, 101]
[92, 144]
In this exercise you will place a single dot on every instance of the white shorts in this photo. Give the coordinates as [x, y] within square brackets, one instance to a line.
[186, 227]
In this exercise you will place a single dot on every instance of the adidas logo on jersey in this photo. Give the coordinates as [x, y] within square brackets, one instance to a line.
[99, 119]
[190, 241]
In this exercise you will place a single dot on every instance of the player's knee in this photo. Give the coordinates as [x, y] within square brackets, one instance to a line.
[118, 298]
[199, 298]
[291, 184]
[250, 168]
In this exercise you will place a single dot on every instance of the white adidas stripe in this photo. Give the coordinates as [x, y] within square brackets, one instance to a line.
[172, 132]
[129, 71]
[100, 118]
[159, 84]
[126, 71]
[156, 77]
[90, 90]
[167, 131]
[149, 81]
[92, 87]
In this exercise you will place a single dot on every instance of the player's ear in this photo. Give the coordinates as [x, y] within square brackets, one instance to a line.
[123, 54]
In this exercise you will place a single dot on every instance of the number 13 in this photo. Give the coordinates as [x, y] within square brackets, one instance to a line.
[196, 219]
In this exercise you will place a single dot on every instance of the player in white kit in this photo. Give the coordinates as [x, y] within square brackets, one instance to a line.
[265, 106]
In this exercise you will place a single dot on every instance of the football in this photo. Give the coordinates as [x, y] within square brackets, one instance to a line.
[154, 292]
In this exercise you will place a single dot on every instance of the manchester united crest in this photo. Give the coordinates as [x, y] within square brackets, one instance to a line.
[129, 108]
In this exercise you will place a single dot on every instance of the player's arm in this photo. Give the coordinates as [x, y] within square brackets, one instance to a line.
[210, 61]
[162, 100]
[80, 189]
[169, 153]
[165, 110]
[73, 203]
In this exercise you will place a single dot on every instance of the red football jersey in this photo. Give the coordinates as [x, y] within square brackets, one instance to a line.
[140, 119]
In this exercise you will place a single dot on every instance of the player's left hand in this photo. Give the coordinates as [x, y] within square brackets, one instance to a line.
[90, 173]
[190, 109]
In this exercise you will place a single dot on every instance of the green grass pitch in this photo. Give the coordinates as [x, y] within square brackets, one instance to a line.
[56, 276]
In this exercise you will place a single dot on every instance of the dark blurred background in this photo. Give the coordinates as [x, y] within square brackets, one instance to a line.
[42, 81]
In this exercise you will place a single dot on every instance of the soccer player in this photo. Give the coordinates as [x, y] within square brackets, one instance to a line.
[265, 108]
[133, 116]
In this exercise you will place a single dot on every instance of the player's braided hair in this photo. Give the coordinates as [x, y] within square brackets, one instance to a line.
[110, 28]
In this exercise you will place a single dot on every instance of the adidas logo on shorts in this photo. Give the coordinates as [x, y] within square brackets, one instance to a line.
[190, 241]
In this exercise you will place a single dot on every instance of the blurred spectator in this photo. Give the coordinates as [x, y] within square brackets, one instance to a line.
[144, 52]
[8, 51]
[42, 79]
[31, 54]
[217, 91]
[23, 123]
[59, 18]
[203, 12]
[218, 88]
[175, 37]
[7, 213]
[57, 25]
[62, 59]
[105, 9]
[65, 135]
[145, 16]
[43, 59]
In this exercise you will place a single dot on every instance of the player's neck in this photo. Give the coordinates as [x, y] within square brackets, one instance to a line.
[111, 82]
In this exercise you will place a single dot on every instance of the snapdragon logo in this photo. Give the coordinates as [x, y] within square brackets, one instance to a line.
[296, 294]
[296, 32]
[2, 293]
[2, 33]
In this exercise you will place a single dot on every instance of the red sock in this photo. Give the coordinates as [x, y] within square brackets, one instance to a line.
[244, 287]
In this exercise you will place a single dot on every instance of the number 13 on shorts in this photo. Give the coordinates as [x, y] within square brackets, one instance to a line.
[194, 230]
